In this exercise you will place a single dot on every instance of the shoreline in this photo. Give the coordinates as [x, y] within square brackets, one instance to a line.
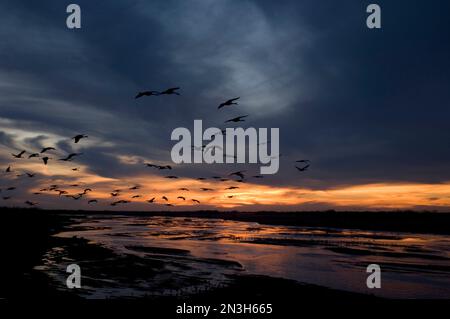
[23, 253]
[393, 221]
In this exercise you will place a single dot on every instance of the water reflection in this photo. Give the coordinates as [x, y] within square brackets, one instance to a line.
[188, 254]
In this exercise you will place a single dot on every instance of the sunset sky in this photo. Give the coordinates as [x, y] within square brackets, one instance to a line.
[368, 108]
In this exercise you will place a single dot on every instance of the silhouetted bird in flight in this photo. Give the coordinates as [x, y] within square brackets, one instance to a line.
[228, 103]
[18, 155]
[146, 93]
[30, 203]
[6, 197]
[230, 196]
[30, 175]
[170, 205]
[181, 197]
[114, 194]
[165, 198]
[170, 91]
[45, 160]
[62, 193]
[239, 173]
[237, 119]
[120, 202]
[70, 157]
[78, 137]
[36, 193]
[171, 176]
[134, 188]
[10, 188]
[151, 200]
[75, 169]
[158, 166]
[196, 201]
[92, 201]
[258, 176]
[201, 178]
[302, 169]
[8, 169]
[136, 196]
[87, 190]
[206, 189]
[33, 155]
[303, 161]
[232, 187]
[46, 149]
[183, 189]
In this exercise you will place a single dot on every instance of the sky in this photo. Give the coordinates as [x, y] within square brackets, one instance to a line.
[369, 108]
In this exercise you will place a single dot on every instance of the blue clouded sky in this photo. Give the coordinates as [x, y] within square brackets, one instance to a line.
[365, 106]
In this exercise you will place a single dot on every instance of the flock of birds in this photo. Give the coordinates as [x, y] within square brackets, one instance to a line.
[235, 177]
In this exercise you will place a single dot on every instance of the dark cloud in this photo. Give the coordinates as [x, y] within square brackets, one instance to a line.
[363, 105]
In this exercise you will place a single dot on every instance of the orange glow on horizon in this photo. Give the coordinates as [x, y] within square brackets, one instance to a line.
[370, 196]
[248, 195]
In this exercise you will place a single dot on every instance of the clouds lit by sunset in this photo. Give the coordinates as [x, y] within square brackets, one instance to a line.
[374, 127]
